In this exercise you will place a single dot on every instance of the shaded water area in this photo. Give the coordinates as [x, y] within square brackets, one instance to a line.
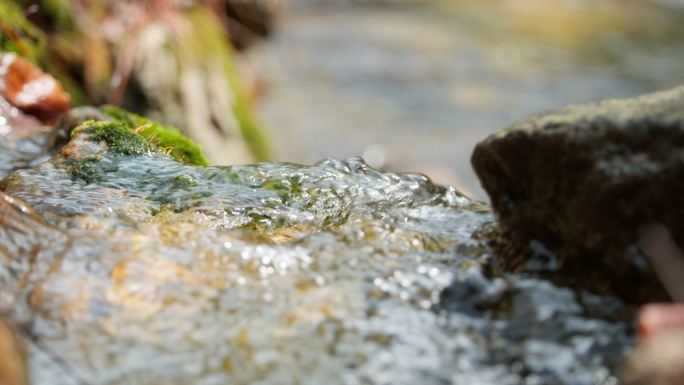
[413, 85]
[139, 269]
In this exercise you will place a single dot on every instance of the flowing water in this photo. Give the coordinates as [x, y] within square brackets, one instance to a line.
[125, 269]
[413, 85]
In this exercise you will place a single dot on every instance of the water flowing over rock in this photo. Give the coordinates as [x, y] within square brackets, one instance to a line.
[122, 265]
[584, 180]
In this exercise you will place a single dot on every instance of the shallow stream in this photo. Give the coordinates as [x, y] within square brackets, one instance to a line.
[138, 269]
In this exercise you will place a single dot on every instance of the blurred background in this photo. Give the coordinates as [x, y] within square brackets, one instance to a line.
[414, 85]
[408, 85]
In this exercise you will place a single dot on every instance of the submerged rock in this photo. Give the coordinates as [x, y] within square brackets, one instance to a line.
[128, 266]
[582, 181]
[21, 152]
[30, 143]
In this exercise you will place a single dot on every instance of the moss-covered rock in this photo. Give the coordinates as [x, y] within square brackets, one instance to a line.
[118, 136]
[583, 180]
[124, 134]
[162, 136]
[128, 133]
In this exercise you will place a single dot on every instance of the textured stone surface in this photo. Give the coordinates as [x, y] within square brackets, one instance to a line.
[584, 179]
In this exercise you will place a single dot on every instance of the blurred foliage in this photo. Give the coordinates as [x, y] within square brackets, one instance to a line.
[19, 35]
[169, 59]
[209, 48]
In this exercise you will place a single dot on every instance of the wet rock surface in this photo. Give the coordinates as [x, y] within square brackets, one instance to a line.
[127, 266]
[17, 153]
[582, 181]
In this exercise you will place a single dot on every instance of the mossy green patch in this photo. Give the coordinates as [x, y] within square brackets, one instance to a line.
[119, 137]
[285, 188]
[93, 169]
[164, 137]
[88, 169]
[130, 134]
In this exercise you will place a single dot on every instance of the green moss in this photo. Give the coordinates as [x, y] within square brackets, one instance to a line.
[285, 188]
[119, 137]
[164, 137]
[93, 169]
[87, 169]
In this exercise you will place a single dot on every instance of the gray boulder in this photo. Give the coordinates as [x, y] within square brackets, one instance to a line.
[584, 180]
